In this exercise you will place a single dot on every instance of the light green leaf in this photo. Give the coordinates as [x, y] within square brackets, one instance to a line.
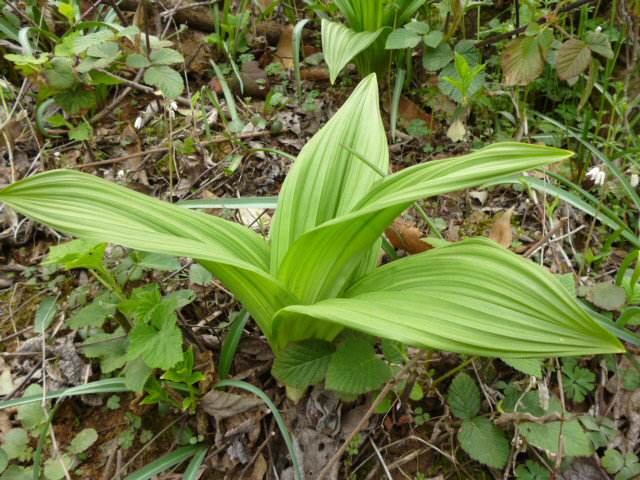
[547, 437]
[522, 61]
[83, 440]
[166, 79]
[80, 132]
[402, 38]
[530, 366]
[80, 44]
[433, 38]
[607, 296]
[471, 297]
[436, 58]
[199, 275]
[109, 348]
[599, 43]
[484, 442]
[56, 468]
[32, 415]
[160, 348]
[156, 261]
[165, 56]
[4, 460]
[303, 364]
[341, 44]
[14, 472]
[136, 374]
[327, 179]
[77, 254]
[104, 50]
[16, 444]
[45, 314]
[60, 75]
[574, 56]
[612, 461]
[464, 397]
[137, 60]
[355, 369]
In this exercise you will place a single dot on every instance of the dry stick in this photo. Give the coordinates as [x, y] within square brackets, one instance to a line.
[365, 418]
[218, 139]
[106, 111]
[532, 249]
[502, 36]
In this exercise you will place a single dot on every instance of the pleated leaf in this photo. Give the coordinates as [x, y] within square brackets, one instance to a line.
[340, 45]
[327, 179]
[321, 262]
[95, 209]
[472, 297]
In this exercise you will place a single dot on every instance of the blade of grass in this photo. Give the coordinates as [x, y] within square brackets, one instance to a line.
[110, 385]
[297, 43]
[288, 440]
[236, 124]
[191, 473]
[230, 343]
[166, 462]
[395, 100]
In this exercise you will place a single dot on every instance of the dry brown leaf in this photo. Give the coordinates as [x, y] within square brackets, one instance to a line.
[406, 236]
[501, 231]
[284, 50]
[260, 468]
[222, 405]
[409, 111]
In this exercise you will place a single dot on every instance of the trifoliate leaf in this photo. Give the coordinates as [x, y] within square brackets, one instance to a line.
[165, 56]
[607, 296]
[355, 369]
[56, 468]
[530, 366]
[522, 61]
[304, 363]
[83, 440]
[484, 442]
[45, 314]
[547, 437]
[77, 254]
[16, 445]
[160, 348]
[32, 415]
[166, 79]
[199, 275]
[137, 60]
[574, 56]
[94, 314]
[402, 38]
[464, 397]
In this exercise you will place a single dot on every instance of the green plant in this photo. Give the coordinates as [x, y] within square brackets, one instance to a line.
[317, 275]
[370, 23]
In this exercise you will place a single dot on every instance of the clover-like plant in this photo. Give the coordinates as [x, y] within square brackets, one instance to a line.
[317, 274]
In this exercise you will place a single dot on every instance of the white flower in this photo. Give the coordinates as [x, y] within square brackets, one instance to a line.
[138, 123]
[597, 175]
[173, 106]
[598, 29]
[635, 180]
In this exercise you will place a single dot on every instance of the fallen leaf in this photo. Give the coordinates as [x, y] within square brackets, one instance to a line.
[222, 405]
[501, 232]
[456, 131]
[405, 236]
[260, 468]
[284, 50]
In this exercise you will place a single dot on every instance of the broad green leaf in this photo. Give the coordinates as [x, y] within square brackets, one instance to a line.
[433, 39]
[341, 44]
[522, 61]
[484, 442]
[607, 296]
[100, 211]
[136, 374]
[574, 56]
[303, 364]
[60, 76]
[76, 100]
[156, 261]
[327, 179]
[160, 348]
[355, 369]
[402, 38]
[83, 440]
[470, 297]
[165, 56]
[166, 79]
[547, 437]
[320, 263]
[464, 397]
[45, 314]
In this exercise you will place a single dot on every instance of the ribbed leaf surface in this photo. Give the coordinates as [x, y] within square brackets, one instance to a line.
[320, 263]
[341, 44]
[327, 179]
[472, 297]
[89, 207]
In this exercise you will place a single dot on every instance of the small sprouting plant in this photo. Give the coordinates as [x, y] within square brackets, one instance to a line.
[316, 279]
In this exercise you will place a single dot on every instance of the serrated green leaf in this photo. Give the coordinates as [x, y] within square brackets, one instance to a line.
[77, 254]
[394, 352]
[464, 397]
[45, 314]
[303, 364]
[484, 442]
[341, 44]
[159, 347]
[136, 374]
[156, 261]
[547, 437]
[612, 461]
[81, 132]
[522, 61]
[355, 369]
[165, 79]
[137, 60]
[165, 56]
[60, 75]
[530, 366]
[402, 38]
[83, 440]
[574, 56]
[76, 100]
[109, 348]
[95, 313]
[142, 302]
